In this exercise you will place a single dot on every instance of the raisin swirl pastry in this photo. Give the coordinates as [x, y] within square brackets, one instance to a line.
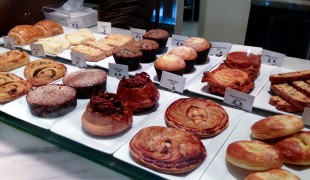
[202, 117]
[13, 59]
[44, 71]
[106, 115]
[12, 87]
[167, 150]
[139, 92]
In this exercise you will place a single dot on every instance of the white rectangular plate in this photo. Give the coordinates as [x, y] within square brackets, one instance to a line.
[262, 100]
[253, 50]
[212, 146]
[71, 127]
[221, 169]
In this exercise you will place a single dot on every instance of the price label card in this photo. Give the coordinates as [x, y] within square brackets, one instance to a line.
[220, 48]
[306, 116]
[78, 59]
[137, 33]
[37, 50]
[118, 70]
[238, 99]
[104, 27]
[9, 42]
[178, 40]
[172, 81]
[76, 23]
[272, 58]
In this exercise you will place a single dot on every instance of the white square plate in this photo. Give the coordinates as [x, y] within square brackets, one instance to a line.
[212, 146]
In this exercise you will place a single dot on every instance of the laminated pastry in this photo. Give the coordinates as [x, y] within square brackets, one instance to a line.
[254, 155]
[80, 36]
[289, 76]
[276, 126]
[139, 92]
[86, 82]
[106, 115]
[13, 59]
[296, 148]
[54, 45]
[52, 100]
[170, 63]
[25, 34]
[128, 55]
[49, 28]
[201, 45]
[201, 117]
[223, 77]
[160, 36]
[91, 54]
[44, 71]
[12, 87]
[188, 54]
[167, 150]
[274, 174]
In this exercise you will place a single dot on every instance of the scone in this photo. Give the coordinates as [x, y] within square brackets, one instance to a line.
[170, 63]
[13, 59]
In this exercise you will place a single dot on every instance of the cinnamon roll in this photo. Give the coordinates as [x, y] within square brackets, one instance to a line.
[12, 60]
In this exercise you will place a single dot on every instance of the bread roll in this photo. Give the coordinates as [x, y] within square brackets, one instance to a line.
[274, 174]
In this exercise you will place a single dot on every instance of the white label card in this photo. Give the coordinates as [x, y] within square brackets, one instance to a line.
[9, 42]
[306, 116]
[220, 48]
[137, 33]
[78, 59]
[104, 27]
[178, 40]
[172, 81]
[272, 58]
[238, 99]
[118, 70]
[37, 50]
[76, 23]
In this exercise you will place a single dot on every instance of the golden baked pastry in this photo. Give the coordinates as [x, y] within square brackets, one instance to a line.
[91, 54]
[12, 87]
[54, 45]
[202, 117]
[283, 105]
[290, 76]
[44, 71]
[25, 34]
[167, 150]
[49, 28]
[274, 174]
[13, 59]
[254, 155]
[276, 126]
[296, 148]
[80, 36]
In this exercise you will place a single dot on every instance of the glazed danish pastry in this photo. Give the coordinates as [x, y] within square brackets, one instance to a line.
[167, 150]
[49, 28]
[13, 59]
[44, 71]
[12, 87]
[202, 117]
[25, 34]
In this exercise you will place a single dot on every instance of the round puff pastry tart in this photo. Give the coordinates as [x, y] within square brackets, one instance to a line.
[276, 126]
[12, 87]
[254, 155]
[202, 117]
[44, 71]
[274, 174]
[167, 150]
[13, 59]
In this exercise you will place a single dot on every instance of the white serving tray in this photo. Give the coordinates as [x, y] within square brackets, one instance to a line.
[220, 169]
[212, 146]
[71, 127]
[251, 49]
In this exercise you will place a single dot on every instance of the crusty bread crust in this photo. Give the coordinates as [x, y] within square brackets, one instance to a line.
[290, 76]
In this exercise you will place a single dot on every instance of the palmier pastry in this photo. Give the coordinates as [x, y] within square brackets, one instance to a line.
[52, 100]
[254, 155]
[167, 150]
[44, 71]
[12, 87]
[202, 117]
[296, 148]
[106, 115]
[25, 34]
[274, 174]
[276, 126]
[49, 28]
[13, 59]
[138, 91]
[223, 77]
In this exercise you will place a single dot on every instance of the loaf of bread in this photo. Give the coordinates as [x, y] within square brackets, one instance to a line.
[290, 76]
[91, 54]
[25, 34]
[49, 28]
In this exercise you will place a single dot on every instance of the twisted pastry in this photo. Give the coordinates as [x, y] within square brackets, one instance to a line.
[44, 71]
[13, 59]
[12, 87]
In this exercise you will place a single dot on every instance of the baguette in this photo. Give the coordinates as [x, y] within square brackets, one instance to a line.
[290, 76]
[91, 54]
[302, 86]
[283, 105]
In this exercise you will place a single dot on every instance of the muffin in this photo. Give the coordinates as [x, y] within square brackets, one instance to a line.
[128, 55]
[201, 45]
[170, 63]
[160, 36]
[188, 54]
[149, 49]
